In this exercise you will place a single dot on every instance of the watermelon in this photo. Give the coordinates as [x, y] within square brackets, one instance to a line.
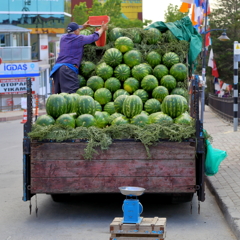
[101, 42]
[120, 92]
[103, 96]
[74, 115]
[184, 119]
[104, 71]
[159, 71]
[140, 120]
[86, 68]
[169, 59]
[132, 58]
[118, 103]
[169, 82]
[85, 120]
[135, 35]
[112, 57]
[85, 32]
[76, 97]
[179, 71]
[149, 83]
[82, 81]
[152, 105]
[169, 36]
[66, 120]
[144, 112]
[70, 100]
[109, 108]
[160, 93]
[113, 116]
[56, 105]
[122, 72]
[132, 106]
[160, 118]
[131, 85]
[98, 106]
[120, 120]
[106, 115]
[153, 36]
[142, 94]
[86, 104]
[149, 68]
[85, 91]
[153, 58]
[174, 105]
[124, 44]
[112, 84]
[140, 71]
[115, 33]
[101, 119]
[95, 82]
[180, 91]
[45, 120]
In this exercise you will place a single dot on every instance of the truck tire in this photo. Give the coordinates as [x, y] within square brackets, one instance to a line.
[60, 197]
[181, 197]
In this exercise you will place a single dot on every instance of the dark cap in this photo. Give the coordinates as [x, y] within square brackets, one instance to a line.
[73, 27]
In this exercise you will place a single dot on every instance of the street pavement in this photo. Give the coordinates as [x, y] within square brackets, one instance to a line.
[225, 185]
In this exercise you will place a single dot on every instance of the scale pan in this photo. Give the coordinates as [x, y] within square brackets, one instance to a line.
[129, 190]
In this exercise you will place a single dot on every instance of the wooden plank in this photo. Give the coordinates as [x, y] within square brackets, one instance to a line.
[120, 237]
[97, 184]
[114, 168]
[127, 150]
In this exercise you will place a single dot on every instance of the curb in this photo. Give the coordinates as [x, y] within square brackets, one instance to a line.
[230, 212]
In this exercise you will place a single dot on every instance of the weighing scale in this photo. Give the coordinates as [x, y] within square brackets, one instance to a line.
[131, 207]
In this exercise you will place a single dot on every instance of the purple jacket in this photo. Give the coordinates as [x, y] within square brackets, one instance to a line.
[71, 47]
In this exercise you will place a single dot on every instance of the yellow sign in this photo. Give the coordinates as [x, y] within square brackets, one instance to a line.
[47, 30]
[237, 48]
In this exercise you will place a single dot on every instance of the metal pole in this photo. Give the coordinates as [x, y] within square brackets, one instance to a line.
[204, 67]
[235, 86]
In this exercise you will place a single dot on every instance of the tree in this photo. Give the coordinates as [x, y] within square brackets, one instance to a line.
[173, 14]
[80, 13]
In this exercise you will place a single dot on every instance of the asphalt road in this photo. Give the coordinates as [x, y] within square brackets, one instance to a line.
[87, 217]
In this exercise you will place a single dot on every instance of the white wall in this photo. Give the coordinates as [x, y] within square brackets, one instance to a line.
[43, 48]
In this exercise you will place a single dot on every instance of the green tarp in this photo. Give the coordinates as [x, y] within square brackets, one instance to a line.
[183, 30]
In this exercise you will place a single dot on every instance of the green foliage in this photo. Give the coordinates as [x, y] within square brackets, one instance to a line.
[173, 14]
[80, 13]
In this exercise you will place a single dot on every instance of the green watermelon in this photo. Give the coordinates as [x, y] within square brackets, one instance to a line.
[112, 57]
[142, 94]
[109, 108]
[85, 32]
[118, 103]
[135, 35]
[184, 119]
[104, 71]
[140, 120]
[132, 58]
[113, 116]
[131, 85]
[120, 92]
[153, 36]
[115, 33]
[149, 68]
[70, 100]
[120, 120]
[159, 71]
[124, 44]
[179, 71]
[45, 120]
[160, 93]
[152, 105]
[106, 115]
[85, 120]
[169, 36]
[98, 106]
[169, 59]
[140, 71]
[85, 91]
[149, 83]
[86, 68]
[103, 96]
[132, 106]
[153, 58]
[180, 91]
[82, 81]
[174, 105]
[122, 72]
[112, 84]
[160, 118]
[76, 97]
[66, 120]
[169, 82]
[101, 119]
[144, 112]
[86, 104]
[56, 105]
[95, 82]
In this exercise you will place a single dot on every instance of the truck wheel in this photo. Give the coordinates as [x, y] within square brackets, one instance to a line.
[60, 197]
[181, 197]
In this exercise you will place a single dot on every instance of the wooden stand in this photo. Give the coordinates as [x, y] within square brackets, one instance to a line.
[148, 229]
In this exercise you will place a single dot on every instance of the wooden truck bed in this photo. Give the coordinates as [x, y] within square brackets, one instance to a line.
[61, 168]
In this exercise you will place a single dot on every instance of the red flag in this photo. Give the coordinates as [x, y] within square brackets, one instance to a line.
[214, 69]
[208, 40]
